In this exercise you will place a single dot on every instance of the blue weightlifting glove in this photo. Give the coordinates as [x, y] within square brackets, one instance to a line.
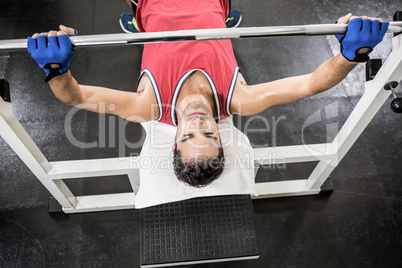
[361, 34]
[47, 50]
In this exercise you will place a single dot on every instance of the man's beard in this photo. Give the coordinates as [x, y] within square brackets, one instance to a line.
[196, 106]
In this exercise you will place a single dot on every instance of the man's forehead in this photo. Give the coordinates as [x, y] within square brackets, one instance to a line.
[200, 153]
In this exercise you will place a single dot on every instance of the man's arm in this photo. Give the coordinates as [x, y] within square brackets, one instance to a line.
[252, 100]
[53, 52]
[132, 106]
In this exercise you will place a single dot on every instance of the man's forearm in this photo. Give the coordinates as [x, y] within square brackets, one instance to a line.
[330, 73]
[66, 89]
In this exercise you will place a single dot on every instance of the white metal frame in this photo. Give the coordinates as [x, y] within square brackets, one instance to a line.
[328, 155]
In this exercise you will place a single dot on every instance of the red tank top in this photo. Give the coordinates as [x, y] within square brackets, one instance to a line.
[168, 65]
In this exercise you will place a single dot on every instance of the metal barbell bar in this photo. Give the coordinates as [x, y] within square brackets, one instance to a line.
[197, 35]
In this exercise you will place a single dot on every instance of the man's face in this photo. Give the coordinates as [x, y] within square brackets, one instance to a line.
[197, 133]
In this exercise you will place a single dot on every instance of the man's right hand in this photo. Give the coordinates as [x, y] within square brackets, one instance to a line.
[52, 50]
[362, 36]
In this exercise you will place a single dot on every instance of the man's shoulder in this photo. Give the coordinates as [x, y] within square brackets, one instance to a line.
[143, 83]
[239, 93]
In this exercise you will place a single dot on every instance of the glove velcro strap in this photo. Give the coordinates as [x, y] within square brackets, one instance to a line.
[53, 72]
[362, 57]
[358, 57]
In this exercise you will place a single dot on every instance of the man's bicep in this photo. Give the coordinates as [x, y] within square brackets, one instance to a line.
[254, 99]
[121, 103]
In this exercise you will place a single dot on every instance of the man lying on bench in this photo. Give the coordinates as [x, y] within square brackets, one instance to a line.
[194, 84]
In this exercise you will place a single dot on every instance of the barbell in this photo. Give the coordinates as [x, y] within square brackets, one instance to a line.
[197, 35]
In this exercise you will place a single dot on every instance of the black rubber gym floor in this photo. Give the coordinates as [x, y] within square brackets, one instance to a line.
[358, 225]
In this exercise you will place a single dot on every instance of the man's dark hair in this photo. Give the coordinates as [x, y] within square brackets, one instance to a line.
[198, 172]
